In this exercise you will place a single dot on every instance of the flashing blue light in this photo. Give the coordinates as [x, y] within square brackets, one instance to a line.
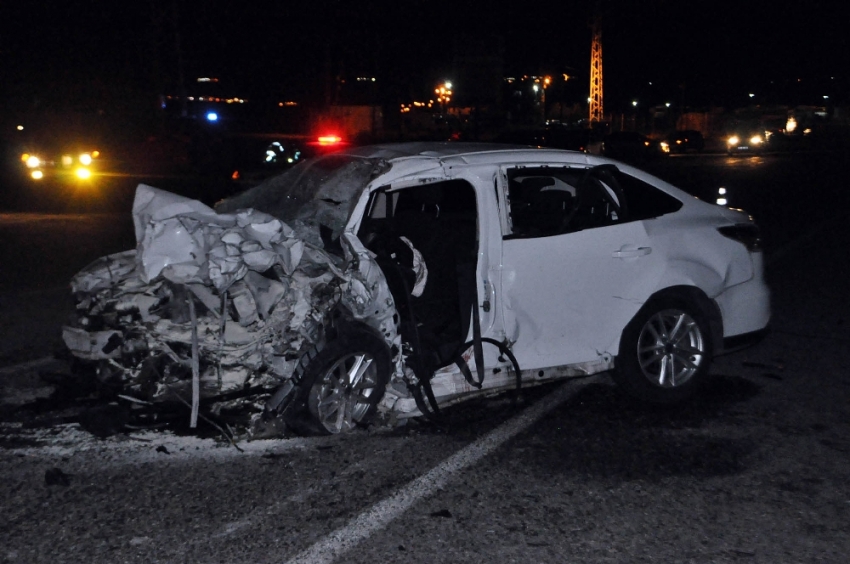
[212, 116]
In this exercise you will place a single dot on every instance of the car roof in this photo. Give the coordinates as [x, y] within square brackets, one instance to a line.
[419, 157]
[436, 149]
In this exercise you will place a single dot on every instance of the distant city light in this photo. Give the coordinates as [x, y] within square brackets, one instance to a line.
[752, 95]
[20, 128]
[212, 116]
[444, 92]
[667, 104]
[634, 103]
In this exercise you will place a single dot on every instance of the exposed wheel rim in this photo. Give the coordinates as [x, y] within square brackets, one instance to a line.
[341, 398]
[670, 348]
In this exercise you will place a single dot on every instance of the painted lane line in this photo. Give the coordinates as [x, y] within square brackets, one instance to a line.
[37, 363]
[339, 542]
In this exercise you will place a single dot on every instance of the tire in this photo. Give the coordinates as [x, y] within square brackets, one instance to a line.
[665, 352]
[342, 384]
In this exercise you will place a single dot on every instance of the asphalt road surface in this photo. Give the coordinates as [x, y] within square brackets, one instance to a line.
[753, 471]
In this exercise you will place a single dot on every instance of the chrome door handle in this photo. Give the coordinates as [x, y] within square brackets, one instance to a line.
[628, 253]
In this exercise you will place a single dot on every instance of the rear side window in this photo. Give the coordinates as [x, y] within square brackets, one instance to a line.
[645, 201]
[546, 201]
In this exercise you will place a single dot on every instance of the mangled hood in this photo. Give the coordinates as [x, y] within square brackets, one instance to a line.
[243, 288]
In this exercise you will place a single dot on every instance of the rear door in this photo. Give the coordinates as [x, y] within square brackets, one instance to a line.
[575, 268]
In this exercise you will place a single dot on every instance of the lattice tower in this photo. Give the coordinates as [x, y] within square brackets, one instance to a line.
[596, 112]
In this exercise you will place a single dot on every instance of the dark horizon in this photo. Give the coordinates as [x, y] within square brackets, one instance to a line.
[694, 53]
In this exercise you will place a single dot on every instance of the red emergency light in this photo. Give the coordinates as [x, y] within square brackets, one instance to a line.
[326, 140]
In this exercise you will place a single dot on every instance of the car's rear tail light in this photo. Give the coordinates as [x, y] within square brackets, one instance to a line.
[745, 233]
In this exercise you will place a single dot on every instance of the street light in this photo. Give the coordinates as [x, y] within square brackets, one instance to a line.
[444, 94]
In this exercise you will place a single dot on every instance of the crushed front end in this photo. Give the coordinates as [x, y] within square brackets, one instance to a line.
[232, 301]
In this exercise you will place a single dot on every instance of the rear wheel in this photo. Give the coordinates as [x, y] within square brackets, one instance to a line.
[665, 352]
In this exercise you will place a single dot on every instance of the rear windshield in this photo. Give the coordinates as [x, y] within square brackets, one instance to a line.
[315, 198]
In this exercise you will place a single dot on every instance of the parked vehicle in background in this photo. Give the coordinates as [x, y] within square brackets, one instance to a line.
[402, 278]
[555, 137]
[631, 147]
[683, 141]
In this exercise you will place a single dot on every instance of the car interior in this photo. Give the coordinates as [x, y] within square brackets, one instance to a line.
[440, 221]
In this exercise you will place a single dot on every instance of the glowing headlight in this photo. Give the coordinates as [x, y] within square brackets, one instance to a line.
[83, 173]
[756, 140]
[67, 160]
[665, 147]
[733, 140]
[31, 161]
[791, 125]
[85, 159]
[37, 175]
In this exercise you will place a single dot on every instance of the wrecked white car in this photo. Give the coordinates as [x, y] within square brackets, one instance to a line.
[403, 278]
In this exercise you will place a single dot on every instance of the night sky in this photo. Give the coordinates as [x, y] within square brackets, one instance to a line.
[687, 51]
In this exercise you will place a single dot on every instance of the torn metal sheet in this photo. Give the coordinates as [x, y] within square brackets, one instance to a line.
[262, 298]
[92, 345]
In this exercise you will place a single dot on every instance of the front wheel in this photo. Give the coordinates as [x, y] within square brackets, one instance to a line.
[665, 352]
[342, 385]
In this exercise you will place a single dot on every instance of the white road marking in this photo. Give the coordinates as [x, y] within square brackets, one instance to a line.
[339, 542]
